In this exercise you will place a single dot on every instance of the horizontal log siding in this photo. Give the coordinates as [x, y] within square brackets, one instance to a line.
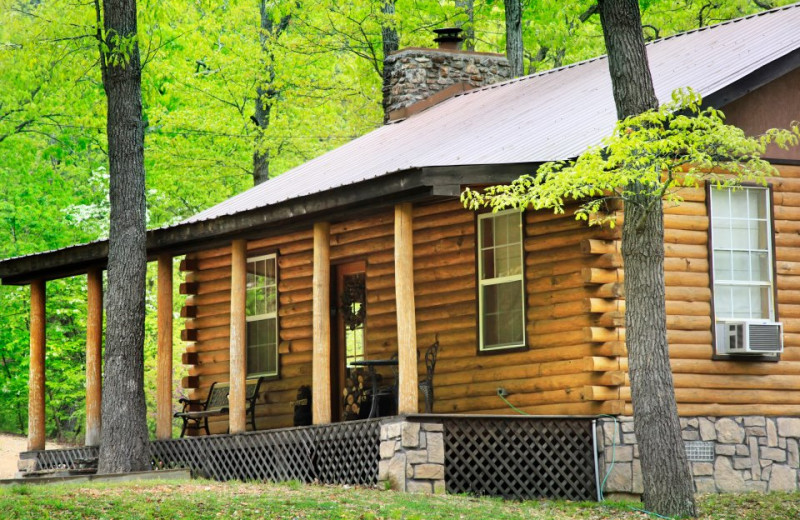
[211, 302]
[704, 386]
[553, 376]
[556, 374]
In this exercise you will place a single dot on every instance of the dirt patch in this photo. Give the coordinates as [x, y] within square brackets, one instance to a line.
[10, 448]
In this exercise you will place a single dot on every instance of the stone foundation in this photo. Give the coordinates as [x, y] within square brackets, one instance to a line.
[412, 456]
[742, 453]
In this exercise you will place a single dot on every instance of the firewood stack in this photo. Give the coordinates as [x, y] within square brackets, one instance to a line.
[354, 394]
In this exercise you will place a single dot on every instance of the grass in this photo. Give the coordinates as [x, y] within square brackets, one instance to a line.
[212, 500]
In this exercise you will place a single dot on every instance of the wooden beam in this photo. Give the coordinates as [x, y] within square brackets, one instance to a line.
[94, 355]
[164, 353]
[407, 401]
[36, 374]
[238, 348]
[321, 360]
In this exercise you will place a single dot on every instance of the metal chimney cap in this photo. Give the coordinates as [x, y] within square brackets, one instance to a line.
[448, 37]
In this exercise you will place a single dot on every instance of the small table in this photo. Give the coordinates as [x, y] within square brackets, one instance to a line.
[371, 364]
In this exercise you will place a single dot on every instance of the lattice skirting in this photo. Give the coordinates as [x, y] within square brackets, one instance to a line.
[342, 453]
[512, 457]
[521, 458]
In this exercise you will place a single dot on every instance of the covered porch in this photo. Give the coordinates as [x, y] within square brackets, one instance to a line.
[325, 401]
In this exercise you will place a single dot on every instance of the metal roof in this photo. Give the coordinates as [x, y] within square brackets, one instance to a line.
[549, 116]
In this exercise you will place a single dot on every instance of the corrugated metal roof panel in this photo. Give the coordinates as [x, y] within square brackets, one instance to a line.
[548, 116]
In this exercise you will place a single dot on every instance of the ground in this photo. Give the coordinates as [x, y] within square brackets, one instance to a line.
[202, 500]
[10, 448]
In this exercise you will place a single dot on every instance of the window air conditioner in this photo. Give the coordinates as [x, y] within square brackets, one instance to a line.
[749, 337]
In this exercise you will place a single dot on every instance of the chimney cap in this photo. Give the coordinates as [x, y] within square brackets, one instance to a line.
[448, 37]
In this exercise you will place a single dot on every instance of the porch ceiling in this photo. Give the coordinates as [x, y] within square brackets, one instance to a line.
[345, 202]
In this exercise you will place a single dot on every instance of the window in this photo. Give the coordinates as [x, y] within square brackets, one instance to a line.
[500, 280]
[741, 239]
[353, 311]
[262, 316]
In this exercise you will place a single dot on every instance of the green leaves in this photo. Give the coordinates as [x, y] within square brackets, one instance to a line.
[118, 48]
[679, 145]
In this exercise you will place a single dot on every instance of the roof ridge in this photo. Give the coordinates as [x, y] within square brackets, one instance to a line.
[604, 56]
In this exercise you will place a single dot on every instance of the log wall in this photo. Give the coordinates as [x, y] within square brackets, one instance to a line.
[558, 373]
[704, 386]
[576, 358]
[207, 310]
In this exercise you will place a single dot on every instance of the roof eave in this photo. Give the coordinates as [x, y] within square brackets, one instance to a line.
[755, 80]
[341, 202]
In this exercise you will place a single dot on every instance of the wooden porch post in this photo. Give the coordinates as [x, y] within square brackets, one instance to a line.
[238, 352]
[321, 359]
[36, 374]
[164, 354]
[407, 400]
[94, 355]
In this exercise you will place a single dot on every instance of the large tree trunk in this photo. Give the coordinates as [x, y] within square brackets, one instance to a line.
[668, 485]
[124, 435]
[514, 47]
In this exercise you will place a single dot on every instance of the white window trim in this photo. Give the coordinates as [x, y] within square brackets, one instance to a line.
[770, 254]
[266, 316]
[497, 281]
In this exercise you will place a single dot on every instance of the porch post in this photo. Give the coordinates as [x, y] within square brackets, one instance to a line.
[407, 400]
[94, 355]
[164, 354]
[321, 296]
[238, 354]
[36, 374]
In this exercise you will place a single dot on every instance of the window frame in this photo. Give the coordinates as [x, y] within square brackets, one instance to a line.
[267, 316]
[480, 283]
[770, 250]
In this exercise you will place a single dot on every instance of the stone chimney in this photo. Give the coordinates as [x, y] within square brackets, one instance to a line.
[417, 78]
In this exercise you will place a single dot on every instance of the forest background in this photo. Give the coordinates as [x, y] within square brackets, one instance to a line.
[315, 66]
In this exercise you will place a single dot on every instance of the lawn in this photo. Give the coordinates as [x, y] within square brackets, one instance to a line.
[206, 500]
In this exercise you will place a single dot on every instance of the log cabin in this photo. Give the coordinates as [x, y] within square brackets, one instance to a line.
[366, 253]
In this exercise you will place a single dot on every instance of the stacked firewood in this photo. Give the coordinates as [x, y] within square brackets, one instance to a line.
[354, 394]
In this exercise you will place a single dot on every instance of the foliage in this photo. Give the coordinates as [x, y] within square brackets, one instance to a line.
[203, 62]
[204, 499]
[679, 145]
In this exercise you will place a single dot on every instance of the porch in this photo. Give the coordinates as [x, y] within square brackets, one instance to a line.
[515, 457]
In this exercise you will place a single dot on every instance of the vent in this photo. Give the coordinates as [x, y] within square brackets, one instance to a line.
[749, 337]
[699, 451]
[763, 338]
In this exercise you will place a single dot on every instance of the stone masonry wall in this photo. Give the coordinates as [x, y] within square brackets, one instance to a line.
[747, 453]
[411, 75]
[412, 456]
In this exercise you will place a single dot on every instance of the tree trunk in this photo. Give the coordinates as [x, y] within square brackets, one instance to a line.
[468, 8]
[514, 47]
[391, 40]
[668, 485]
[124, 436]
[265, 91]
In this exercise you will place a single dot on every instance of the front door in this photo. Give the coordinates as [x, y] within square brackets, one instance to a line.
[349, 322]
